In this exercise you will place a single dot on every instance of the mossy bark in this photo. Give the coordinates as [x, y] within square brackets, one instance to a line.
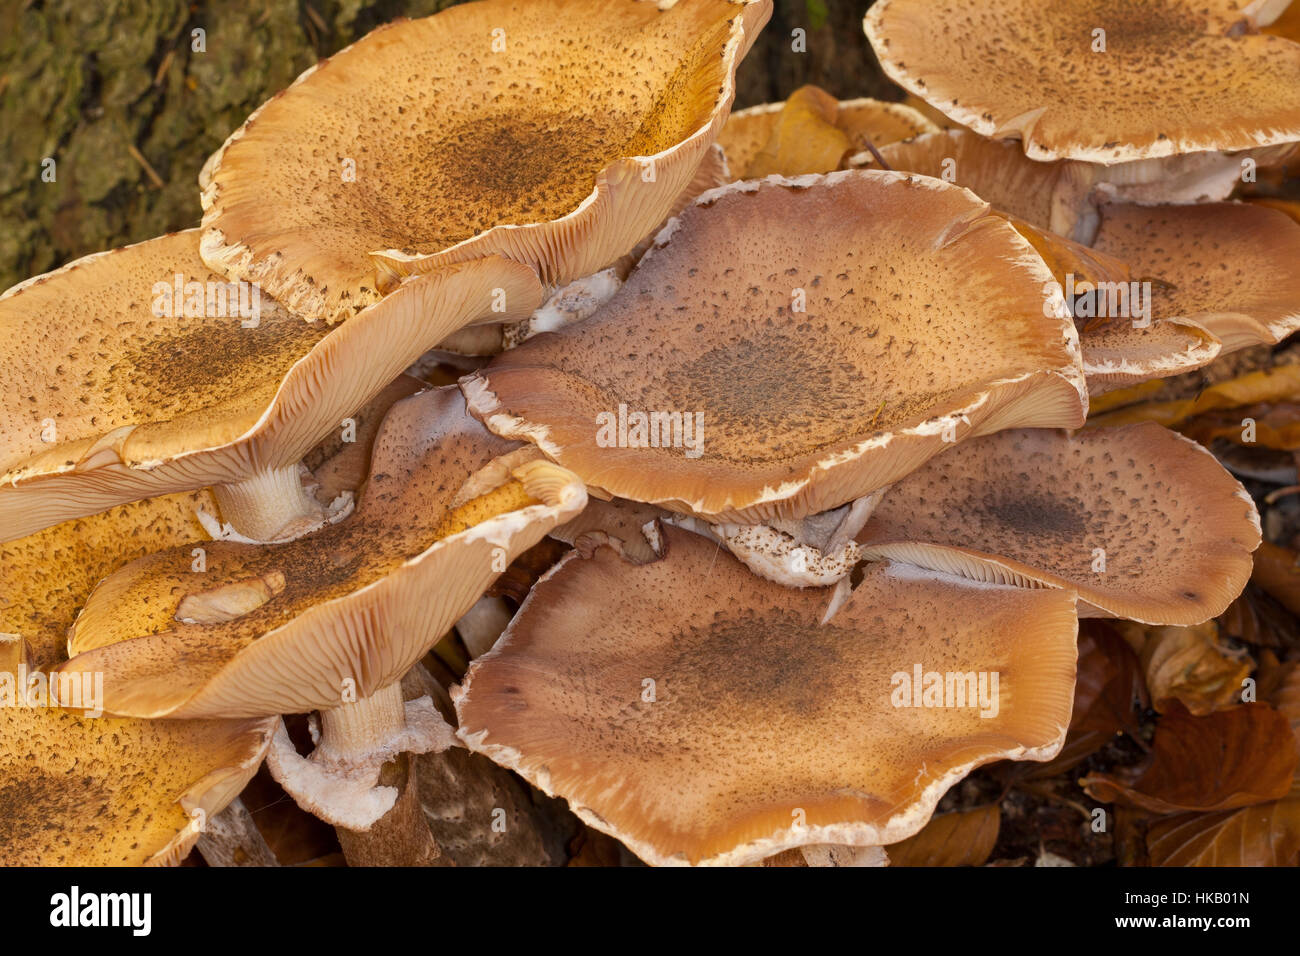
[127, 100]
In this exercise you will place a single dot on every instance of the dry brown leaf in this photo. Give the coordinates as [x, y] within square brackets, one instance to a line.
[1264, 835]
[1277, 384]
[1259, 619]
[1273, 426]
[805, 138]
[962, 838]
[1122, 397]
[1227, 759]
[1277, 571]
[1191, 665]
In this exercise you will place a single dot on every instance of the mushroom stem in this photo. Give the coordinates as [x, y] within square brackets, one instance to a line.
[401, 837]
[360, 778]
[263, 506]
[357, 728]
[231, 838]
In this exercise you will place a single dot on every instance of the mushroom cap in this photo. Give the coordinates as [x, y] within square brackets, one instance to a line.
[510, 127]
[1229, 267]
[927, 320]
[1119, 349]
[77, 791]
[1177, 76]
[767, 729]
[995, 170]
[270, 629]
[1221, 273]
[1032, 507]
[144, 405]
[46, 576]
[862, 120]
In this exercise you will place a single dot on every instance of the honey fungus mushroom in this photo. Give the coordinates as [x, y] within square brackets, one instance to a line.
[77, 788]
[124, 376]
[703, 715]
[553, 132]
[1220, 274]
[332, 621]
[1105, 83]
[821, 336]
[1142, 523]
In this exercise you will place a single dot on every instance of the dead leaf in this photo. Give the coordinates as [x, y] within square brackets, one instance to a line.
[1259, 619]
[1191, 665]
[1121, 397]
[1277, 384]
[1264, 835]
[963, 838]
[1277, 571]
[1227, 759]
[1273, 426]
[804, 139]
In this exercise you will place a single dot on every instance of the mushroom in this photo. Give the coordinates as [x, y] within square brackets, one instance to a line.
[1195, 312]
[554, 133]
[789, 346]
[132, 374]
[1062, 195]
[76, 791]
[76, 788]
[1230, 267]
[1140, 522]
[332, 621]
[1119, 347]
[1196, 76]
[703, 715]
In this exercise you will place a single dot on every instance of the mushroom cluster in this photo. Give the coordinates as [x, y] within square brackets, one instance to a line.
[797, 393]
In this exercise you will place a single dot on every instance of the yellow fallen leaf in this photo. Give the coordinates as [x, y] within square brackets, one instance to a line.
[1189, 664]
[804, 139]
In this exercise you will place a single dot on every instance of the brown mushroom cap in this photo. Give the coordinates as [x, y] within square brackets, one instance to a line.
[1177, 76]
[863, 120]
[1221, 273]
[77, 791]
[1032, 507]
[517, 127]
[140, 405]
[927, 320]
[762, 728]
[1119, 349]
[1229, 267]
[270, 629]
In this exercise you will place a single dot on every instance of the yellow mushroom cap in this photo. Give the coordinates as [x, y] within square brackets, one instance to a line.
[113, 387]
[1102, 82]
[270, 629]
[78, 790]
[824, 335]
[703, 715]
[1140, 522]
[554, 132]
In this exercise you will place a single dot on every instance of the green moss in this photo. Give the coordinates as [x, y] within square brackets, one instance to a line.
[83, 83]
